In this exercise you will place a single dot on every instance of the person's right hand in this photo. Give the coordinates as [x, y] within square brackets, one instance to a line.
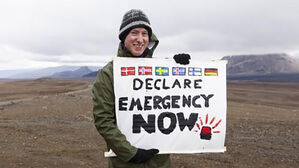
[182, 58]
[143, 155]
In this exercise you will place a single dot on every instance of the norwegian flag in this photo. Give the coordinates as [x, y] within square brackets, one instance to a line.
[144, 70]
[126, 71]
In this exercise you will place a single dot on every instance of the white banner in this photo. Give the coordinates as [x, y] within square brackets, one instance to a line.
[171, 107]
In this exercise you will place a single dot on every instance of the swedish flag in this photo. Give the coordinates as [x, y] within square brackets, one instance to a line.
[162, 71]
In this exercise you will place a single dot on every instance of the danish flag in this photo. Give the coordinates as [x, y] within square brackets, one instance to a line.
[126, 71]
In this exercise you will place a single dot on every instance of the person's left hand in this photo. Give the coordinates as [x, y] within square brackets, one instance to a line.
[182, 58]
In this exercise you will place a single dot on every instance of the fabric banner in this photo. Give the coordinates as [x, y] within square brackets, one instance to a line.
[171, 107]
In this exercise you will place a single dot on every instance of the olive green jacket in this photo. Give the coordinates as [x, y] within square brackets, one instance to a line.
[105, 121]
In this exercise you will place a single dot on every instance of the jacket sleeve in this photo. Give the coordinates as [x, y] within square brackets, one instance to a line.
[104, 116]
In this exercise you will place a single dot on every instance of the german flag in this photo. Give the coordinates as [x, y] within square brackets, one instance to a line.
[211, 72]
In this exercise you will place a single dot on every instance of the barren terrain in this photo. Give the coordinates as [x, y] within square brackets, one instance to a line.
[47, 123]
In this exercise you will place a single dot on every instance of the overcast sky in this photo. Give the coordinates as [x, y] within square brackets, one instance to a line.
[43, 33]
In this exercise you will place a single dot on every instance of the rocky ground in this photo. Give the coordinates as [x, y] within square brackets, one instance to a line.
[55, 129]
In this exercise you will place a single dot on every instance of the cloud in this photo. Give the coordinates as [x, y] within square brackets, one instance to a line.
[243, 26]
[73, 31]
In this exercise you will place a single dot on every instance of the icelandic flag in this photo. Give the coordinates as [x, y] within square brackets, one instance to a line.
[178, 71]
[162, 71]
[192, 71]
[126, 71]
[144, 70]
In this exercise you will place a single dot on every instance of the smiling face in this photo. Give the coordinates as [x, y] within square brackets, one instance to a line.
[137, 41]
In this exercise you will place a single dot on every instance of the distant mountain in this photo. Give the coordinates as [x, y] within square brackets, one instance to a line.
[45, 72]
[78, 73]
[275, 77]
[11, 73]
[261, 64]
[38, 73]
[91, 74]
[263, 68]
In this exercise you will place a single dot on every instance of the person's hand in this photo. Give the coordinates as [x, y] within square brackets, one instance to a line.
[143, 155]
[182, 58]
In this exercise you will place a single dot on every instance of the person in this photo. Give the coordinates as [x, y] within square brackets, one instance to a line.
[136, 37]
